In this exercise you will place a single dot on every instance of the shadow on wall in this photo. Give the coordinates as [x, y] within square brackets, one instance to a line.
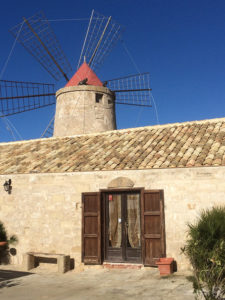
[5, 253]
[7, 276]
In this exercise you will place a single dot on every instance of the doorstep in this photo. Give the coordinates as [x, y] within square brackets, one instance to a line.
[109, 265]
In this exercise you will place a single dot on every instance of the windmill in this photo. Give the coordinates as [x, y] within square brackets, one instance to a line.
[37, 37]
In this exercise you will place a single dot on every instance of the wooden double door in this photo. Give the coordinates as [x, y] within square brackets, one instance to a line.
[123, 226]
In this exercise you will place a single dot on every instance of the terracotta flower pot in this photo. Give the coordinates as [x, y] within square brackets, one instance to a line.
[165, 265]
[3, 243]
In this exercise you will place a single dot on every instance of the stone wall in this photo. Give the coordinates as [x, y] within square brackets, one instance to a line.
[84, 109]
[44, 210]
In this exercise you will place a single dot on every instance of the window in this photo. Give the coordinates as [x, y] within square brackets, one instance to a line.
[98, 98]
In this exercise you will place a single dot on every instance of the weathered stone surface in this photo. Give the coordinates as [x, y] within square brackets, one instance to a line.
[78, 112]
[28, 262]
[44, 210]
[63, 263]
[121, 182]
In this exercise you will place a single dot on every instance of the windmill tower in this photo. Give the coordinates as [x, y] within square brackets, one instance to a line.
[85, 104]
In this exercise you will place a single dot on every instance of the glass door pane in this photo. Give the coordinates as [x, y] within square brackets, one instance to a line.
[133, 221]
[115, 221]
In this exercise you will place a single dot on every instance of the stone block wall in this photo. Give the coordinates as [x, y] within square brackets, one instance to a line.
[79, 111]
[44, 210]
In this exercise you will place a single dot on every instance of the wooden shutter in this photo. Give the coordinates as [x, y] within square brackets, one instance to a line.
[153, 233]
[91, 228]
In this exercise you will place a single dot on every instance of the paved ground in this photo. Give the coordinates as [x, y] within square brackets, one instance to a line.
[92, 284]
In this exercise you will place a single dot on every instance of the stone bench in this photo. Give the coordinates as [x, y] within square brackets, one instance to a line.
[63, 261]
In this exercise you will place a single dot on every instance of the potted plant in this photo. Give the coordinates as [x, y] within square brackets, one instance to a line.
[3, 237]
[165, 265]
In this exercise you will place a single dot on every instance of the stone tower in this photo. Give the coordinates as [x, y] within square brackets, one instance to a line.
[84, 105]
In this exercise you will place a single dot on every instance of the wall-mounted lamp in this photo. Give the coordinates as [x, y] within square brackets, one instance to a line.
[8, 186]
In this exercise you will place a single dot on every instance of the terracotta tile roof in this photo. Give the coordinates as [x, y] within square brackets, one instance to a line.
[84, 72]
[190, 144]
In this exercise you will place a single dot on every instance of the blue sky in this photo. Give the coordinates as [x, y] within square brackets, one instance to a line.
[181, 44]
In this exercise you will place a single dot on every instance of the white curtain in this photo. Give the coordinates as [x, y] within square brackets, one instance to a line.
[133, 216]
[115, 221]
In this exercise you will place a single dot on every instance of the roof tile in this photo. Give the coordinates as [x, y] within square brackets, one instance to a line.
[190, 144]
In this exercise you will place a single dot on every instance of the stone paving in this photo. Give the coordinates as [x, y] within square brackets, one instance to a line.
[92, 284]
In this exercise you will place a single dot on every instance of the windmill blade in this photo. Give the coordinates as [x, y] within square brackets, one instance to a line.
[17, 97]
[49, 129]
[102, 35]
[39, 40]
[132, 90]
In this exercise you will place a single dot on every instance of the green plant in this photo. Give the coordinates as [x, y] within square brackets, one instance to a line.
[3, 236]
[205, 248]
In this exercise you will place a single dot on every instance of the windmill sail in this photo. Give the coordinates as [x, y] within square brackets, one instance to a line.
[17, 97]
[102, 35]
[40, 41]
[49, 129]
[132, 90]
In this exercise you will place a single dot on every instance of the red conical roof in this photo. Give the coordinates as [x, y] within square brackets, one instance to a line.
[84, 72]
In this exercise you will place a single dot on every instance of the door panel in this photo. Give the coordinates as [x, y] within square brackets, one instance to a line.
[153, 243]
[91, 228]
[152, 224]
[152, 250]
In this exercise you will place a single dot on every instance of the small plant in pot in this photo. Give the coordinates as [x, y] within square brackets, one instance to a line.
[4, 240]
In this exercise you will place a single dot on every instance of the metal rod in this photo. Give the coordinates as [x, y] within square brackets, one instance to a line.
[46, 49]
[136, 90]
[27, 109]
[27, 96]
[92, 13]
[49, 127]
[138, 74]
[145, 105]
[99, 42]
[29, 82]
